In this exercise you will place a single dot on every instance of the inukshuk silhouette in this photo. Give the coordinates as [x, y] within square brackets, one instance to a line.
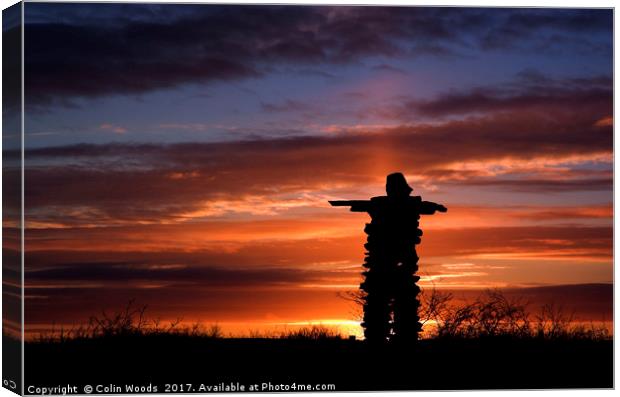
[390, 292]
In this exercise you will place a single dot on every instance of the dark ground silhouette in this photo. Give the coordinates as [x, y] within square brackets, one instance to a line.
[11, 363]
[494, 363]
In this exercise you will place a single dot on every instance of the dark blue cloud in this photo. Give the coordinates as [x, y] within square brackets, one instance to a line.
[90, 50]
[531, 90]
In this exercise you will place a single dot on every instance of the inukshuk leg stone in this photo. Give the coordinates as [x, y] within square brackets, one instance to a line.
[376, 295]
[389, 288]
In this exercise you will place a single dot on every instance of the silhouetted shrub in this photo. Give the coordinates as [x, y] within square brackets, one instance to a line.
[129, 322]
[492, 314]
[314, 332]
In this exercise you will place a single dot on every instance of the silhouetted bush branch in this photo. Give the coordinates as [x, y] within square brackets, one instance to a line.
[313, 332]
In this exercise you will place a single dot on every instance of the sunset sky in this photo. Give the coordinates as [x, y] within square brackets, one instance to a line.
[183, 155]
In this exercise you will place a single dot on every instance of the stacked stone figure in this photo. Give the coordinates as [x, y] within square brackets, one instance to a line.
[389, 288]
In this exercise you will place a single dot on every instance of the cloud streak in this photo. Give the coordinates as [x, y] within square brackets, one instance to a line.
[530, 91]
[155, 181]
[203, 246]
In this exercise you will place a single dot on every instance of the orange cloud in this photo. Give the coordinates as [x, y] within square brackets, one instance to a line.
[605, 122]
